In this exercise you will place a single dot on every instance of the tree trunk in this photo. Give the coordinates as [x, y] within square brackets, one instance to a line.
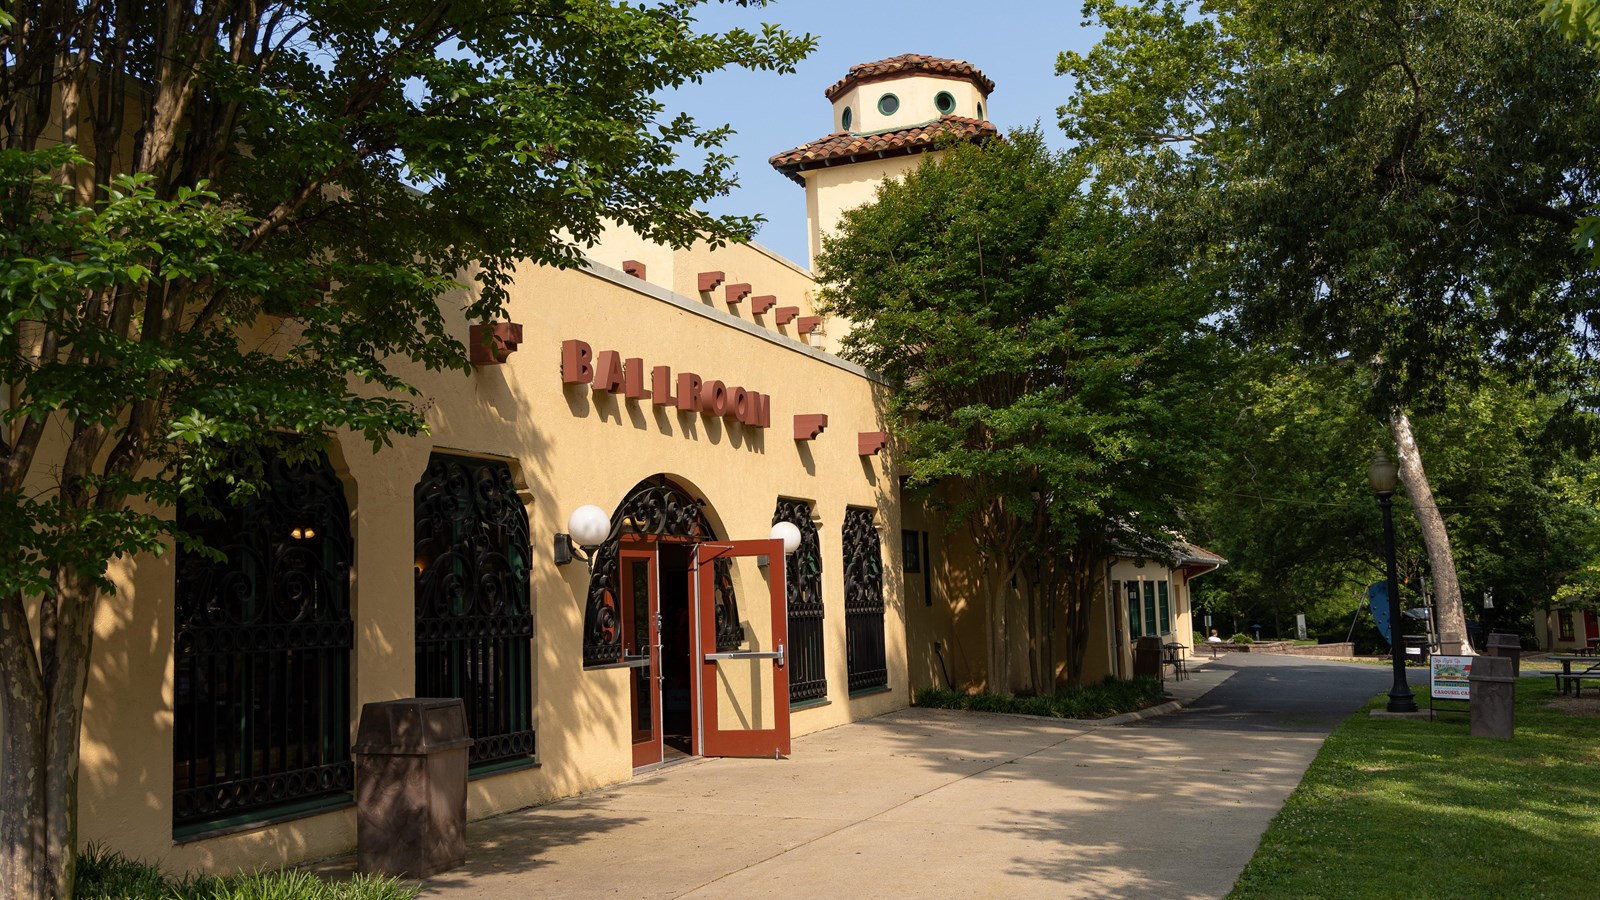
[999, 640]
[1082, 586]
[23, 873]
[1435, 537]
[43, 713]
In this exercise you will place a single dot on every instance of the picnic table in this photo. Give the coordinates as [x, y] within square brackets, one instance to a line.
[1570, 681]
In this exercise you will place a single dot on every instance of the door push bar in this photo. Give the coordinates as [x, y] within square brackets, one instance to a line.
[749, 654]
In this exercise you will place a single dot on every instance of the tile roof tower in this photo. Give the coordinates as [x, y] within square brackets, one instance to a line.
[885, 114]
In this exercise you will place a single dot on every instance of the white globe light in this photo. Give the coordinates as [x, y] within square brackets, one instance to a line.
[589, 525]
[789, 534]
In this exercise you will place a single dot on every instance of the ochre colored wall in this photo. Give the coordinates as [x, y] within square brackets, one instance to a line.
[767, 273]
[841, 187]
[567, 446]
[956, 619]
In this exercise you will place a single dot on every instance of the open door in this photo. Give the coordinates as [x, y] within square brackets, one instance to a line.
[744, 690]
[641, 646]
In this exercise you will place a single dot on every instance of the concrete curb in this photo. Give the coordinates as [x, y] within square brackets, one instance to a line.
[1149, 712]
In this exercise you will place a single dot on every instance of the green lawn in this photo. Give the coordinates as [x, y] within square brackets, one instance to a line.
[1415, 809]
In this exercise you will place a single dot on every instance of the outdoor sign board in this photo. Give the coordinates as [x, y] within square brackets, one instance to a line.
[1450, 674]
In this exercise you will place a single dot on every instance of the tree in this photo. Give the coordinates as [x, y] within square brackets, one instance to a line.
[1393, 181]
[1579, 20]
[1046, 371]
[222, 221]
[1290, 507]
[1288, 504]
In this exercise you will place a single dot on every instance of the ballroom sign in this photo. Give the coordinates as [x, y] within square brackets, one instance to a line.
[608, 372]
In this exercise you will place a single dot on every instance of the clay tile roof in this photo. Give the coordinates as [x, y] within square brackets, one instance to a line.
[842, 145]
[910, 64]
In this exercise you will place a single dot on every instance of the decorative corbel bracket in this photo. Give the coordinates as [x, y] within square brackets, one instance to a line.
[491, 344]
[786, 314]
[808, 425]
[710, 280]
[868, 443]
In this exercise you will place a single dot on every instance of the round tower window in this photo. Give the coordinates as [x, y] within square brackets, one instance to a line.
[944, 102]
[846, 119]
[888, 104]
[980, 110]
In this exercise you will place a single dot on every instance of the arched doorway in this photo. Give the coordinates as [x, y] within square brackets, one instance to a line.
[698, 621]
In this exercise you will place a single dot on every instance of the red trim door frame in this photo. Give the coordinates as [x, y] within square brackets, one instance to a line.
[642, 646]
[760, 658]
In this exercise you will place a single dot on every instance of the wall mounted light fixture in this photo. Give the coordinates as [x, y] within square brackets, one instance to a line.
[786, 532]
[587, 528]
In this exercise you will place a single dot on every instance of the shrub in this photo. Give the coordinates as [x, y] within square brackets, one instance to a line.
[1095, 701]
[109, 875]
[1242, 638]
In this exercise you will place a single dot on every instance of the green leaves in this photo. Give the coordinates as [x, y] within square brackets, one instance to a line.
[1037, 341]
[1398, 183]
[335, 171]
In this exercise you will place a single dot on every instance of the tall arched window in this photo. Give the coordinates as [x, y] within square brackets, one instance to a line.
[808, 673]
[261, 656]
[659, 509]
[473, 603]
[863, 602]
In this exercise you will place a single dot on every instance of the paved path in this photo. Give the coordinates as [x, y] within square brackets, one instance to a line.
[929, 803]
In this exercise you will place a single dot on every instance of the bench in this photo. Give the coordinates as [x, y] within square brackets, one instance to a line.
[1572, 682]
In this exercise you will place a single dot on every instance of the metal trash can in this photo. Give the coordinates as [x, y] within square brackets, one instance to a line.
[411, 787]
[1508, 646]
[1494, 695]
[1147, 657]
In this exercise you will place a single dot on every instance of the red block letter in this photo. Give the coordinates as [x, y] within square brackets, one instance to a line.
[575, 368]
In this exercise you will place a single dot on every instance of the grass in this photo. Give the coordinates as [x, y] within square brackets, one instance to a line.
[1399, 808]
[108, 875]
[1096, 701]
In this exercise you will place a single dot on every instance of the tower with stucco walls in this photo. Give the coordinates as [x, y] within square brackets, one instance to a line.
[886, 114]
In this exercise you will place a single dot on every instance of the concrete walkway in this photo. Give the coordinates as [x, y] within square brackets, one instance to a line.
[931, 803]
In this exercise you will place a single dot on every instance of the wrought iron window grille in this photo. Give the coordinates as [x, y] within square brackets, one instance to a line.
[803, 583]
[261, 649]
[474, 609]
[866, 659]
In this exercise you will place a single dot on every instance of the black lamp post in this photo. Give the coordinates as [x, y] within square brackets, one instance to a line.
[1383, 475]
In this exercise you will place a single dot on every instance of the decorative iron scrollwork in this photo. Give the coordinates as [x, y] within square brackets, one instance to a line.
[261, 650]
[863, 601]
[474, 611]
[803, 584]
[661, 509]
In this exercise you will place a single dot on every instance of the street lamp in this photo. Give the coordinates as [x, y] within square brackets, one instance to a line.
[1382, 475]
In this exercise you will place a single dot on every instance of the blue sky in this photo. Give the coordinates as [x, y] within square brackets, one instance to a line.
[1014, 42]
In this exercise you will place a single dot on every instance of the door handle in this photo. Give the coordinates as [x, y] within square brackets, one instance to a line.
[777, 655]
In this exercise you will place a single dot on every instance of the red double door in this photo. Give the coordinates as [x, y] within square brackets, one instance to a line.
[686, 695]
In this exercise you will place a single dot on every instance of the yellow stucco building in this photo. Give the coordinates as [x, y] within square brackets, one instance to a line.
[690, 396]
